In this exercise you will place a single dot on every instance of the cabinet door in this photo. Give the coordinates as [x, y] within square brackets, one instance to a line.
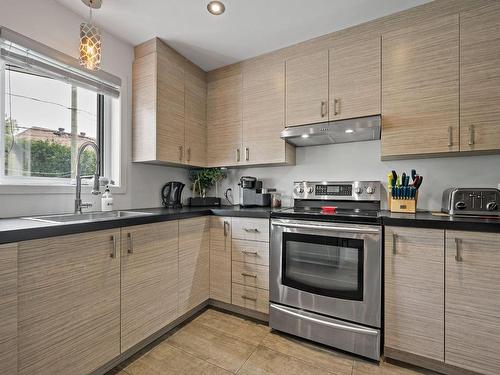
[220, 258]
[264, 114]
[196, 119]
[170, 107]
[307, 89]
[355, 82]
[149, 277]
[194, 238]
[224, 111]
[473, 301]
[414, 291]
[480, 79]
[69, 303]
[8, 309]
[420, 89]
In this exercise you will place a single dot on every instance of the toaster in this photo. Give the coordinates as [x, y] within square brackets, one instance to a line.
[471, 201]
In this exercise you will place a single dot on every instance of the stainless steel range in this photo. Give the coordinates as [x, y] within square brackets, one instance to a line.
[326, 266]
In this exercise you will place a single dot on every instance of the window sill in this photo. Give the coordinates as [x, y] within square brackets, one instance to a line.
[42, 189]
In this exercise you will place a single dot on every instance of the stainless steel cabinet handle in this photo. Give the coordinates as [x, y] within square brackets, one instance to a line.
[113, 249]
[130, 243]
[458, 245]
[238, 155]
[247, 154]
[394, 244]
[249, 298]
[249, 252]
[336, 109]
[251, 230]
[450, 136]
[189, 154]
[323, 109]
[181, 152]
[226, 228]
[471, 135]
[246, 274]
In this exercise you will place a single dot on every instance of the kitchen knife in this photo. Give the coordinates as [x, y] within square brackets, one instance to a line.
[418, 182]
[413, 175]
[394, 176]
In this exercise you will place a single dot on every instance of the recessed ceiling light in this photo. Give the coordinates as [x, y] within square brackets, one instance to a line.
[216, 7]
[349, 131]
[305, 135]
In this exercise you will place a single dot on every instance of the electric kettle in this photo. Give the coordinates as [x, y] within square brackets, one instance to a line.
[171, 194]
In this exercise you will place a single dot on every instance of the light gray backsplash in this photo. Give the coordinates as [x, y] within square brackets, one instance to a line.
[361, 161]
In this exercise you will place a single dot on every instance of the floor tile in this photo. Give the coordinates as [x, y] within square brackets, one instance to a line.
[212, 345]
[168, 360]
[267, 361]
[317, 355]
[368, 368]
[240, 328]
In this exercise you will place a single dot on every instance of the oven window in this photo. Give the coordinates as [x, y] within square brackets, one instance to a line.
[328, 266]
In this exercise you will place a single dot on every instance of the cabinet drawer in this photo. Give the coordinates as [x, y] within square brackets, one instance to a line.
[251, 229]
[251, 298]
[251, 275]
[251, 252]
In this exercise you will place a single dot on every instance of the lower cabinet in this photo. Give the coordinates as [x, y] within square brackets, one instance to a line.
[8, 309]
[194, 268]
[68, 303]
[220, 258]
[149, 279]
[472, 338]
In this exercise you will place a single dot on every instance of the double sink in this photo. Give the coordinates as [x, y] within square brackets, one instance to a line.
[87, 217]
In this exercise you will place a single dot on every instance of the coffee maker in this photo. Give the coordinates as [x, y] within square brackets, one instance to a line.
[171, 194]
[251, 193]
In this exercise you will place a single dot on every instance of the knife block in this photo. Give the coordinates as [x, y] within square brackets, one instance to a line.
[407, 206]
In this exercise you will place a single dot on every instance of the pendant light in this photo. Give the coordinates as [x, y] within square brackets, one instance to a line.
[90, 39]
[216, 7]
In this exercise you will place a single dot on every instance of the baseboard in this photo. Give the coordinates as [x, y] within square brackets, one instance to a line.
[395, 355]
[151, 339]
[240, 310]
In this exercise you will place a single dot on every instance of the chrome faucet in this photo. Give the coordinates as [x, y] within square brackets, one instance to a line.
[95, 191]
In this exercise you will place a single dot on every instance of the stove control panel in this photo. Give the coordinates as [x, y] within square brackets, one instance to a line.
[331, 190]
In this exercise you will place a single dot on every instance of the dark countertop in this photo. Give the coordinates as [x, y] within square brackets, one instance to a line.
[19, 229]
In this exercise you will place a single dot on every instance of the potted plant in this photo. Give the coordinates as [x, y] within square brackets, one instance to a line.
[203, 180]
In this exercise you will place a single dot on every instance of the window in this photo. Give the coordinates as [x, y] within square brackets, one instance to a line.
[46, 120]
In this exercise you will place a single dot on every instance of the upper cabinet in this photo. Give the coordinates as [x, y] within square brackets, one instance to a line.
[224, 112]
[169, 122]
[307, 89]
[480, 79]
[355, 78]
[420, 89]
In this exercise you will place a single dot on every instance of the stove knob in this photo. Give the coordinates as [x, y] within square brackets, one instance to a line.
[299, 190]
[370, 189]
[460, 205]
[358, 190]
[492, 206]
[310, 190]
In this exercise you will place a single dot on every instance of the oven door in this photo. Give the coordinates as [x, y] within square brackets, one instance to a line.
[328, 268]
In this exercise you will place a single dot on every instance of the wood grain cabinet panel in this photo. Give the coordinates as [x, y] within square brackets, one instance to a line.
[307, 89]
[69, 303]
[194, 242]
[8, 309]
[355, 78]
[250, 274]
[149, 280]
[251, 298]
[220, 258]
[472, 308]
[250, 229]
[253, 252]
[420, 89]
[480, 79]
[195, 118]
[414, 291]
[264, 115]
[224, 121]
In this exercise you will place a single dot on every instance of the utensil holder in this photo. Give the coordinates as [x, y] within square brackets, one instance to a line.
[408, 206]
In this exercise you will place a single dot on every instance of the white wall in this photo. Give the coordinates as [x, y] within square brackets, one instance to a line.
[48, 22]
[361, 161]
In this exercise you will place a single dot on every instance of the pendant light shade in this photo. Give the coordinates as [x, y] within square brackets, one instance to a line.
[90, 40]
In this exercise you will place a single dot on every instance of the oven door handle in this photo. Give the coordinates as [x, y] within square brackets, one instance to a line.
[329, 228]
[360, 330]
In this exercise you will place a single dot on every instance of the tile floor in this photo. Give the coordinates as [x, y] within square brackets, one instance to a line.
[216, 342]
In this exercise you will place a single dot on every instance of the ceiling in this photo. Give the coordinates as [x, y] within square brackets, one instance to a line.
[248, 27]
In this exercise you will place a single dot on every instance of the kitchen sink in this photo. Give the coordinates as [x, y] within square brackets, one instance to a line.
[87, 217]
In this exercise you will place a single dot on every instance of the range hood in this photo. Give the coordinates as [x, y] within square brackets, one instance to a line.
[342, 131]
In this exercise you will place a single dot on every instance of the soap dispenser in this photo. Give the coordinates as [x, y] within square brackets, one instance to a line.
[107, 200]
